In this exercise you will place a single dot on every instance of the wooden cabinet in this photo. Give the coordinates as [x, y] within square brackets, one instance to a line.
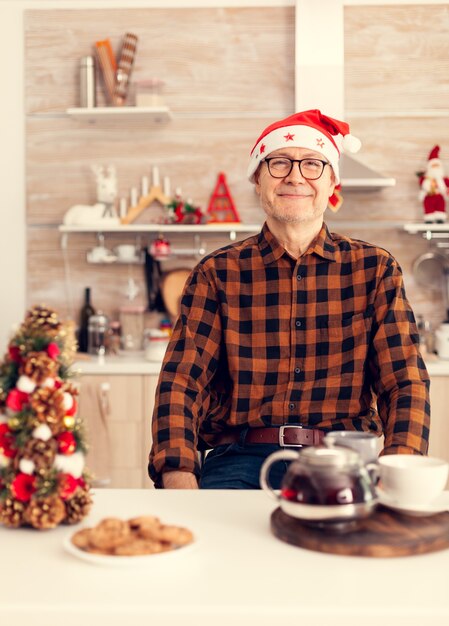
[439, 425]
[117, 410]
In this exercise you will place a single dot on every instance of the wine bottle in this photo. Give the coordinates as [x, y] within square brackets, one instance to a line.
[86, 311]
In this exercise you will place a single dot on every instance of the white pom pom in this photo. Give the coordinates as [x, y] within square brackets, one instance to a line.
[42, 432]
[4, 461]
[351, 144]
[49, 382]
[70, 464]
[3, 418]
[26, 384]
[68, 401]
[26, 466]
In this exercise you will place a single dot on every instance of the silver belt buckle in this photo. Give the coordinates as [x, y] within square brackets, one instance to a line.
[281, 437]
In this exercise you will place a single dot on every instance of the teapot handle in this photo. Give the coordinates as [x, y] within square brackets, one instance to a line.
[280, 455]
[373, 471]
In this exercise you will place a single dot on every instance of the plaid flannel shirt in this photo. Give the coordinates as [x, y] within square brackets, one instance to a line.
[327, 341]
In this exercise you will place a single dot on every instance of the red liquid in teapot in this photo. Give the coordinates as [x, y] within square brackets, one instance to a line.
[326, 488]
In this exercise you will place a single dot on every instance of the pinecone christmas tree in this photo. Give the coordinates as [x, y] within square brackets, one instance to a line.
[42, 478]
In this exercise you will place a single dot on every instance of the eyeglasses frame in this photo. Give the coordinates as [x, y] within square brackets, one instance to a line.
[292, 162]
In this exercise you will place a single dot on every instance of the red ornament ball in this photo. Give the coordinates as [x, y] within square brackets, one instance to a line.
[23, 487]
[66, 443]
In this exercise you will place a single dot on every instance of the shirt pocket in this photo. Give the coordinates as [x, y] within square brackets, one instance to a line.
[343, 344]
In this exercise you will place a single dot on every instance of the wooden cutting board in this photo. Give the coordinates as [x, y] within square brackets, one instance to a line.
[384, 534]
[172, 285]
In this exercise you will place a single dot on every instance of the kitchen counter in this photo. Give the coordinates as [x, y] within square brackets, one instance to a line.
[135, 363]
[132, 363]
[236, 572]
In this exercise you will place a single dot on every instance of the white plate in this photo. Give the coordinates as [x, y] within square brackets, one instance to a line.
[439, 505]
[122, 561]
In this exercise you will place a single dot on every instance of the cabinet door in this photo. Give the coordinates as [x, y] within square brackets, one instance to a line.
[439, 423]
[111, 407]
[149, 392]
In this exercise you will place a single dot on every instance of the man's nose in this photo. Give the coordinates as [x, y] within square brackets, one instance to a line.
[295, 174]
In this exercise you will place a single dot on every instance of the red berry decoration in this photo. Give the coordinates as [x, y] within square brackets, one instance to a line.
[23, 486]
[53, 350]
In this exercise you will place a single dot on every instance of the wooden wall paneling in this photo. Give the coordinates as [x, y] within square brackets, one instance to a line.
[46, 277]
[191, 153]
[397, 57]
[224, 89]
[211, 59]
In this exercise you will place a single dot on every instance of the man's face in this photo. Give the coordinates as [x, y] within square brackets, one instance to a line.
[294, 199]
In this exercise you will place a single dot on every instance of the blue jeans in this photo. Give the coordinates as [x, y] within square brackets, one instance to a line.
[237, 466]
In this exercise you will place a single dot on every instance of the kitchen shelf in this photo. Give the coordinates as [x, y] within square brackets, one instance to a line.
[140, 114]
[428, 230]
[222, 227]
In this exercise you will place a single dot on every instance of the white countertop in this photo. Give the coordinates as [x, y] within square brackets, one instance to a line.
[236, 573]
[135, 363]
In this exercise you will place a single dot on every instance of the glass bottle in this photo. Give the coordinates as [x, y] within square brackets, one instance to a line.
[86, 311]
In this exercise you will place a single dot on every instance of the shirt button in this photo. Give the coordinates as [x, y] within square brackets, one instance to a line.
[291, 406]
[298, 323]
[298, 277]
[297, 370]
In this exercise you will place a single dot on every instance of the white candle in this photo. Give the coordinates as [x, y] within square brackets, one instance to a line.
[156, 176]
[123, 207]
[166, 186]
[145, 185]
[134, 196]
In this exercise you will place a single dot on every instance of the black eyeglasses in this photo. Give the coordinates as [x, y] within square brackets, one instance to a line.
[280, 167]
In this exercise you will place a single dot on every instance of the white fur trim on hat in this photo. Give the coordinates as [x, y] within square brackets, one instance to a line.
[294, 137]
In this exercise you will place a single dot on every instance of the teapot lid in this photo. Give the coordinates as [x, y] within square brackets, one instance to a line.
[328, 457]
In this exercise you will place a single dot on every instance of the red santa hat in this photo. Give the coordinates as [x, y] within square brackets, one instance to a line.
[434, 154]
[308, 129]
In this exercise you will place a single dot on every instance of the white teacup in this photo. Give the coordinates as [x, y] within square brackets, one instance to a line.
[412, 479]
[366, 444]
[126, 252]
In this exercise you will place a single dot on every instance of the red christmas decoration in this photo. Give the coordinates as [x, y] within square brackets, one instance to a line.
[73, 409]
[23, 486]
[67, 485]
[16, 400]
[7, 447]
[221, 205]
[53, 350]
[14, 354]
[66, 443]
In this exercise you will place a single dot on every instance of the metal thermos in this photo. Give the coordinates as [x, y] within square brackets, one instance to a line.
[87, 82]
[97, 332]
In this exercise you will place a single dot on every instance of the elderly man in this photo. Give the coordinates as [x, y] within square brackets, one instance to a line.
[288, 334]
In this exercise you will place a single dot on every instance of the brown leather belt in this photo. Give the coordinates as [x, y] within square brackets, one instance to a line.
[287, 435]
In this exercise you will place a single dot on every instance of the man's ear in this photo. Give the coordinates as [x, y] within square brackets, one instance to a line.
[256, 180]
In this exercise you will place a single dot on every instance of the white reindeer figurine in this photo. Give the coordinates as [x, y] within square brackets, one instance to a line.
[103, 211]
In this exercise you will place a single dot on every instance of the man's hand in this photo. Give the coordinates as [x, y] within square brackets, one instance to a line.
[179, 480]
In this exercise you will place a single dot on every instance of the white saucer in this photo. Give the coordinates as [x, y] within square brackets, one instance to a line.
[439, 505]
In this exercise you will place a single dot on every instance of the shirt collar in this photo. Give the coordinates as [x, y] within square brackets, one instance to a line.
[271, 250]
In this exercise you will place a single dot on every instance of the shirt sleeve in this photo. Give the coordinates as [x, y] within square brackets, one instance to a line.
[399, 375]
[182, 397]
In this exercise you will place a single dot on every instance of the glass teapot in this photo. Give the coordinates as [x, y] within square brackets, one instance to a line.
[323, 484]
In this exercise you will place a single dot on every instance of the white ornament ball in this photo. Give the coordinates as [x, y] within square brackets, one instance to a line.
[26, 466]
[49, 382]
[26, 384]
[42, 432]
[68, 401]
[70, 464]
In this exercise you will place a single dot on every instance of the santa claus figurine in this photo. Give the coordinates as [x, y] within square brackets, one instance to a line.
[434, 189]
